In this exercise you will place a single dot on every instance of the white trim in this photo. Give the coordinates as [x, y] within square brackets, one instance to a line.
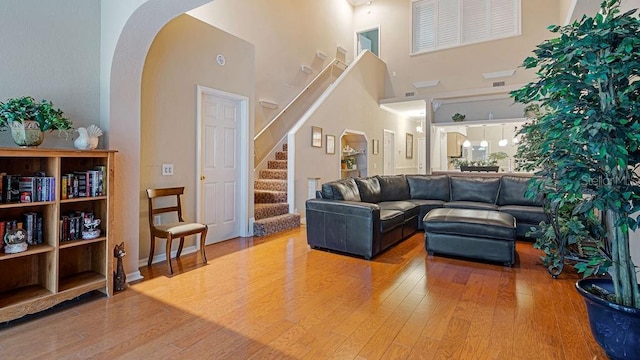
[425, 84]
[163, 257]
[243, 194]
[136, 275]
[499, 74]
[569, 15]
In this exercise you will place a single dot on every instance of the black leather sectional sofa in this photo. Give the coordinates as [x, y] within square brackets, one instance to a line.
[365, 216]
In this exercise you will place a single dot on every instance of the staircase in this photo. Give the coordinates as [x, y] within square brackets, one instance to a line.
[270, 190]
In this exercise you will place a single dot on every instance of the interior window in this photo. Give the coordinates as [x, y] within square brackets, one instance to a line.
[439, 24]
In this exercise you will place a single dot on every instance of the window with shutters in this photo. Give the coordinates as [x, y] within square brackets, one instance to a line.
[440, 24]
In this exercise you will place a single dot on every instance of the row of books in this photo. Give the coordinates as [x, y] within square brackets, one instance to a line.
[88, 183]
[71, 225]
[15, 188]
[31, 222]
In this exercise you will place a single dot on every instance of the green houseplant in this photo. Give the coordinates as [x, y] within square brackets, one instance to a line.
[28, 118]
[587, 143]
[457, 117]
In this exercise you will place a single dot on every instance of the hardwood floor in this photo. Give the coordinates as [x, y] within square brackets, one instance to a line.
[274, 298]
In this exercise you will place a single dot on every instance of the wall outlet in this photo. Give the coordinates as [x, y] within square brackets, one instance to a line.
[167, 169]
[157, 220]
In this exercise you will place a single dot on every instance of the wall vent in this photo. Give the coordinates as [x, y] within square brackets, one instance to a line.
[498, 83]
[409, 94]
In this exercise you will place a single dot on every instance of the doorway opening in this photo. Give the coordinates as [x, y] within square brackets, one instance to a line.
[368, 40]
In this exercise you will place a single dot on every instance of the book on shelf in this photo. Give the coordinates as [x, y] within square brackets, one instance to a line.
[89, 183]
[10, 188]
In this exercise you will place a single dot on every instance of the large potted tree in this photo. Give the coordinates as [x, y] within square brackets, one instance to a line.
[587, 143]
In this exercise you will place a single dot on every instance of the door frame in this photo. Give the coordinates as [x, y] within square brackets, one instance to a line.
[243, 194]
[422, 155]
[357, 39]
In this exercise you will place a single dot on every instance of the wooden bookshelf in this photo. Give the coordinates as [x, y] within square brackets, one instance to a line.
[55, 271]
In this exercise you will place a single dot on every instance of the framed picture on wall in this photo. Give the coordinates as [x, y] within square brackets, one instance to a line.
[331, 144]
[409, 149]
[316, 136]
[376, 147]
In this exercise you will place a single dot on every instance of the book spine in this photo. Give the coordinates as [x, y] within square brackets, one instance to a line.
[38, 233]
[63, 187]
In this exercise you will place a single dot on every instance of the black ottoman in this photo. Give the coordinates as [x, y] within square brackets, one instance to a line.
[479, 234]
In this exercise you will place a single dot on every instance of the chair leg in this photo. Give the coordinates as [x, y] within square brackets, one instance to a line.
[180, 247]
[151, 250]
[169, 254]
[203, 238]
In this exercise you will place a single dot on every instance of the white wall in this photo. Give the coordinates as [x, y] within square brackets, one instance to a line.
[179, 60]
[286, 35]
[353, 105]
[51, 50]
[457, 68]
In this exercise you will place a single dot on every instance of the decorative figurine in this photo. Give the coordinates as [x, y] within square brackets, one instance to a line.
[15, 241]
[87, 138]
[119, 277]
[90, 228]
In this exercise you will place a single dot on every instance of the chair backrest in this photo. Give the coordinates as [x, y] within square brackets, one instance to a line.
[153, 194]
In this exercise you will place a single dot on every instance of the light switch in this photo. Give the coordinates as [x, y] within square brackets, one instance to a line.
[167, 169]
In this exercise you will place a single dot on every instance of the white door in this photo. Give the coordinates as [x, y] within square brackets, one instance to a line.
[220, 166]
[388, 153]
[422, 155]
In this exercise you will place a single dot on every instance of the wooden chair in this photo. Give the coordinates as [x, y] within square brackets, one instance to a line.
[173, 230]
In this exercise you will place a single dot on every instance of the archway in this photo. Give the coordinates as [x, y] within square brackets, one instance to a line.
[122, 118]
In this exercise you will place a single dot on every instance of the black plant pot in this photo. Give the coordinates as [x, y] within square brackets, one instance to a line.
[615, 327]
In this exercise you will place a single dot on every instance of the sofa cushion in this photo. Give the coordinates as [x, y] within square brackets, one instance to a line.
[390, 219]
[393, 187]
[478, 189]
[470, 205]
[345, 189]
[429, 187]
[512, 192]
[407, 207]
[369, 189]
[525, 214]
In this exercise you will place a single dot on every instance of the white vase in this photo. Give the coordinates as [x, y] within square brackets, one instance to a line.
[26, 133]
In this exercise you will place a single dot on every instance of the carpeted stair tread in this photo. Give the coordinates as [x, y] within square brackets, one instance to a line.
[270, 184]
[281, 155]
[269, 196]
[275, 224]
[263, 211]
[273, 174]
[277, 164]
[285, 147]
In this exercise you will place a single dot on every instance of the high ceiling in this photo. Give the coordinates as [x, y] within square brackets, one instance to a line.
[358, 2]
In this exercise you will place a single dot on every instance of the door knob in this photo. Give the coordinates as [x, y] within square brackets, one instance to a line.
[202, 177]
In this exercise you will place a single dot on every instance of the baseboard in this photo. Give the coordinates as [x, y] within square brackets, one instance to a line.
[163, 257]
[134, 276]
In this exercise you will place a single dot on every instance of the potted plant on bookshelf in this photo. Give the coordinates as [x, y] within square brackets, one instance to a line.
[28, 119]
[587, 150]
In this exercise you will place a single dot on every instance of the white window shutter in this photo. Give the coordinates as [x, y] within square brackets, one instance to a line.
[475, 21]
[441, 24]
[448, 23]
[503, 21]
[424, 25]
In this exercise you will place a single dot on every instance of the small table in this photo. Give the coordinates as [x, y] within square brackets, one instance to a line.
[480, 234]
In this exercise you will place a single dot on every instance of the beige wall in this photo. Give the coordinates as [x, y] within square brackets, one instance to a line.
[458, 68]
[353, 105]
[52, 53]
[286, 35]
[182, 57]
